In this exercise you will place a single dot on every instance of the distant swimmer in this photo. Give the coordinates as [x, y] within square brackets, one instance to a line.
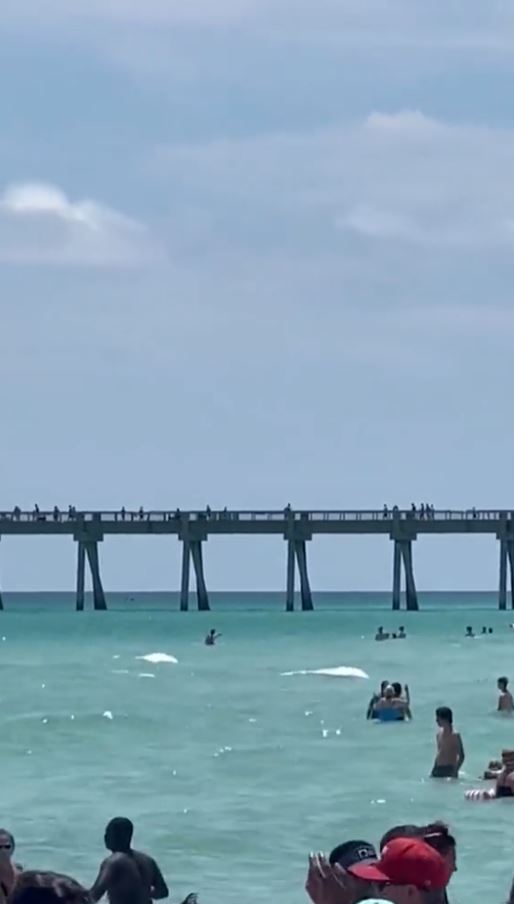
[211, 638]
[505, 700]
[380, 635]
[469, 631]
[127, 876]
[401, 633]
[450, 749]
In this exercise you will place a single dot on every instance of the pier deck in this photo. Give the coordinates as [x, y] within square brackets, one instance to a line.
[297, 528]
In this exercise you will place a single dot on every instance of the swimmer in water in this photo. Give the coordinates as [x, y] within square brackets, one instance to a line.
[505, 701]
[380, 635]
[370, 712]
[401, 633]
[504, 780]
[211, 638]
[450, 749]
[469, 631]
[403, 698]
[393, 708]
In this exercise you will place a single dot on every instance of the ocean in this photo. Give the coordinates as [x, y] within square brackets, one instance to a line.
[232, 771]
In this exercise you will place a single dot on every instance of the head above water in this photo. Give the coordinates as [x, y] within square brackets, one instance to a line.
[444, 715]
[389, 693]
[7, 844]
[398, 690]
[118, 835]
[503, 683]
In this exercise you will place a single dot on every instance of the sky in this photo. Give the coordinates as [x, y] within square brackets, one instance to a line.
[255, 252]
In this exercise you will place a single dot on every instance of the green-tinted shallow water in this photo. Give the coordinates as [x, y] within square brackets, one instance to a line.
[232, 772]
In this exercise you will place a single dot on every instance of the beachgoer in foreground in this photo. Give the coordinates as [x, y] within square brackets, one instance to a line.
[408, 868]
[380, 634]
[505, 701]
[450, 749]
[211, 638]
[127, 876]
[437, 835]
[48, 888]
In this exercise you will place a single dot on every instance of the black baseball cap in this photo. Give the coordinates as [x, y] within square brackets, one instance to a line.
[352, 852]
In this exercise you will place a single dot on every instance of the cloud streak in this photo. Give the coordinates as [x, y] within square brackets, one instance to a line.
[401, 177]
[39, 224]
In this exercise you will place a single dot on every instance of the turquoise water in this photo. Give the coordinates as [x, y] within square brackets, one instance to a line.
[232, 772]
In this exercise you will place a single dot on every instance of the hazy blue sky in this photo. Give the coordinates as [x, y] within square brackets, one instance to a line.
[253, 252]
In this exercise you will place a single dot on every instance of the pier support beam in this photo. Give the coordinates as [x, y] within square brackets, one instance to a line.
[506, 565]
[81, 568]
[91, 548]
[1, 599]
[397, 576]
[502, 593]
[290, 576]
[201, 587]
[297, 557]
[305, 587]
[403, 554]
[186, 570]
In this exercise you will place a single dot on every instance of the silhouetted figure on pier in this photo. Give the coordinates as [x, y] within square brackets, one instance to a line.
[57, 514]
[123, 513]
[127, 876]
[386, 512]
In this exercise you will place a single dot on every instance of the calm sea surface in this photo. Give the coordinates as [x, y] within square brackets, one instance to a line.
[231, 771]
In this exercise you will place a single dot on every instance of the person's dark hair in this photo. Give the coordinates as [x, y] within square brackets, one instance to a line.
[119, 832]
[397, 688]
[402, 628]
[408, 831]
[9, 836]
[504, 682]
[381, 628]
[383, 685]
[437, 835]
[47, 888]
[444, 713]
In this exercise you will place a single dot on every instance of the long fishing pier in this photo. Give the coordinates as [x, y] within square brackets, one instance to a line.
[297, 528]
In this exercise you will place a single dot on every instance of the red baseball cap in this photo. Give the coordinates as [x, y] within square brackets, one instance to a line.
[406, 861]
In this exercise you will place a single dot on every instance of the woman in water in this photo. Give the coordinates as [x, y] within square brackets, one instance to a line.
[504, 786]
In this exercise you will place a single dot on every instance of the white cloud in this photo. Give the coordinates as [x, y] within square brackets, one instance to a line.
[40, 224]
[403, 177]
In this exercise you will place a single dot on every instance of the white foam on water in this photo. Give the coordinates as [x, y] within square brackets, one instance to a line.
[158, 657]
[340, 671]
[120, 672]
[145, 675]
[108, 714]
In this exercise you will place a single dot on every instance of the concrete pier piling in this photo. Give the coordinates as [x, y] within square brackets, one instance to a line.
[297, 528]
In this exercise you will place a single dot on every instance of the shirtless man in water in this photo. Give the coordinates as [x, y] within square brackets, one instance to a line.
[505, 701]
[128, 876]
[450, 749]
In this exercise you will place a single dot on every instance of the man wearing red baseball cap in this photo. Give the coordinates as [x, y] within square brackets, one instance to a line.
[408, 868]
